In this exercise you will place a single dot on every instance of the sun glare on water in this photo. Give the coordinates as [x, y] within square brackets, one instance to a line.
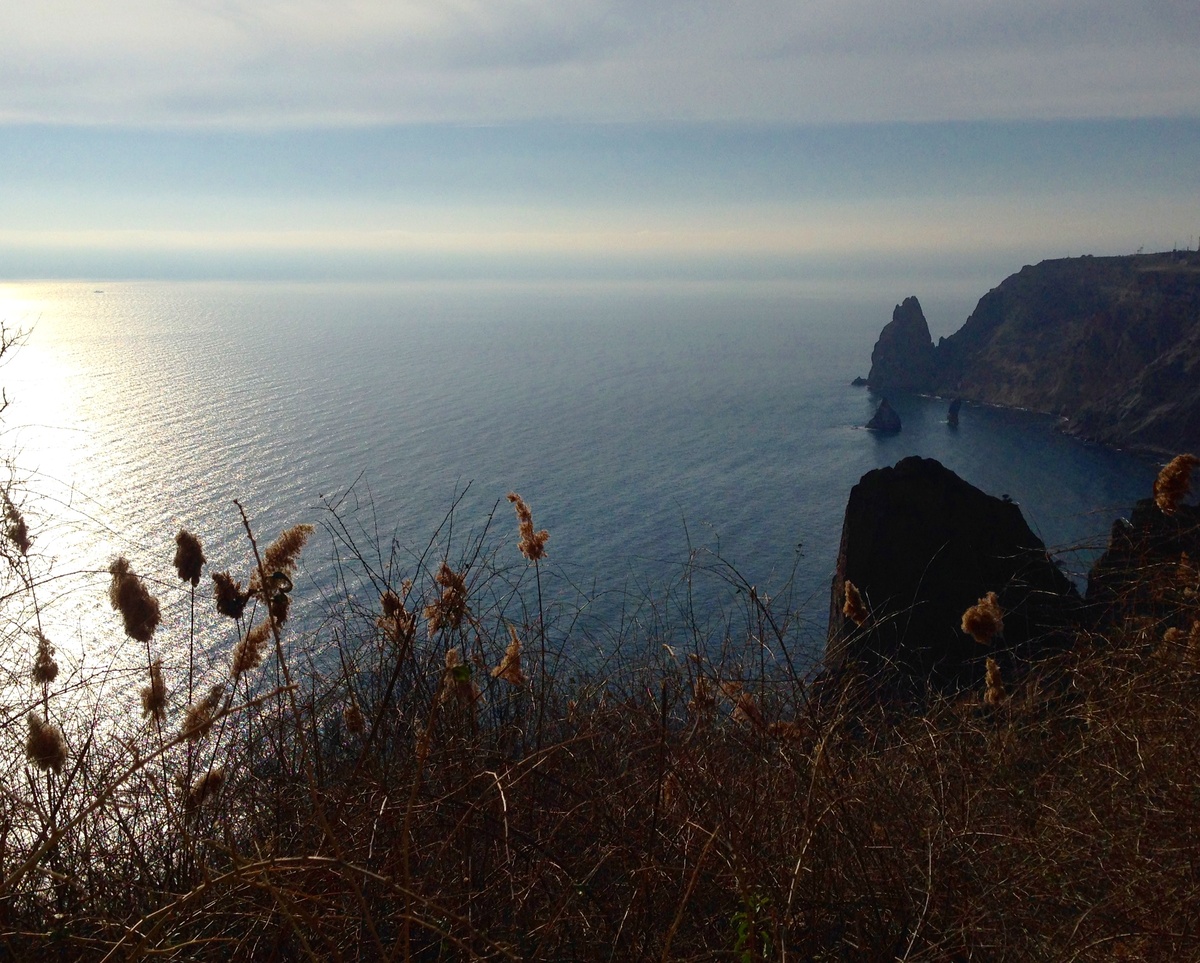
[66, 389]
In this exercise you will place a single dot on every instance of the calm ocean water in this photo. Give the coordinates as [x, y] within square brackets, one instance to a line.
[636, 420]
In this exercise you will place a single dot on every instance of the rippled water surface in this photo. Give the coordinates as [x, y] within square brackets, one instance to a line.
[635, 420]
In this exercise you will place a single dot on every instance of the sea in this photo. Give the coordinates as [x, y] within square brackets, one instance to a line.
[665, 434]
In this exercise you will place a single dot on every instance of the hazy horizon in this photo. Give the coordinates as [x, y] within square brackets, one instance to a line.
[595, 139]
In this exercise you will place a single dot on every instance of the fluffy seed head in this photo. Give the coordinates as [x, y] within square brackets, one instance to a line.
[854, 608]
[45, 746]
[231, 600]
[532, 544]
[451, 608]
[45, 669]
[199, 718]
[984, 620]
[15, 527]
[785, 730]
[1174, 482]
[281, 554]
[703, 699]
[509, 668]
[248, 653]
[138, 608]
[154, 696]
[205, 787]
[458, 682]
[746, 711]
[189, 557]
[396, 621]
[995, 685]
[353, 719]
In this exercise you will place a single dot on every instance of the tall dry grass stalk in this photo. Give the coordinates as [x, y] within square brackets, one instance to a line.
[532, 544]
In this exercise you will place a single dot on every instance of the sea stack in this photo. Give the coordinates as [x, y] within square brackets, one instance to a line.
[885, 419]
[921, 546]
[903, 358]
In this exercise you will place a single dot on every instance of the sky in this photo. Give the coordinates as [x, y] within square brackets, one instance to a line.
[758, 140]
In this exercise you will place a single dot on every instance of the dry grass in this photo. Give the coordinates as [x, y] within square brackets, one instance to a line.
[434, 790]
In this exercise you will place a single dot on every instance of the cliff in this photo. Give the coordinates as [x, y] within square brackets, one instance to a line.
[1112, 344]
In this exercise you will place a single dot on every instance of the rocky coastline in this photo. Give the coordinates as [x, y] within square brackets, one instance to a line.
[1109, 344]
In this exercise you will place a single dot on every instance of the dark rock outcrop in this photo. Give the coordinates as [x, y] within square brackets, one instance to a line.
[903, 356]
[1112, 344]
[952, 414]
[885, 419]
[1144, 572]
[922, 546]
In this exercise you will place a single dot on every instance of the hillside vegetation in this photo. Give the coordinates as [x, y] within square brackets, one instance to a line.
[452, 785]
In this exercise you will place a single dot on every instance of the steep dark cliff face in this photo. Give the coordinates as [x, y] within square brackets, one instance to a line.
[1112, 344]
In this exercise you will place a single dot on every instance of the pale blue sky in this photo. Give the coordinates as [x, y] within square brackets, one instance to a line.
[761, 139]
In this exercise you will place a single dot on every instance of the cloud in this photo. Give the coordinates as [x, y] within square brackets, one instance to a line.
[302, 62]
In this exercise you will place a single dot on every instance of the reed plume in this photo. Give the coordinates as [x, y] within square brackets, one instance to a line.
[248, 653]
[231, 599]
[281, 555]
[786, 730]
[396, 621]
[15, 528]
[353, 718]
[1174, 482]
[189, 557]
[205, 787]
[984, 620]
[139, 609]
[451, 607]
[532, 544]
[45, 746]
[854, 609]
[747, 712]
[509, 668]
[995, 686]
[154, 695]
[198, 721]
[459, 684]
[45, 669]
[703, 700]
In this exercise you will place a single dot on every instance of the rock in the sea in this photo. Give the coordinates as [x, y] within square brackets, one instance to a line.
[885, 419]
[922, 546]
[859, 382]
[903, 356]
[952, 414]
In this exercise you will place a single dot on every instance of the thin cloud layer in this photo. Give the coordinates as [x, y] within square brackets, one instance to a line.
[370, 61]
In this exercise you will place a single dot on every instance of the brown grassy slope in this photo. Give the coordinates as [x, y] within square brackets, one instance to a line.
[684, 806]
